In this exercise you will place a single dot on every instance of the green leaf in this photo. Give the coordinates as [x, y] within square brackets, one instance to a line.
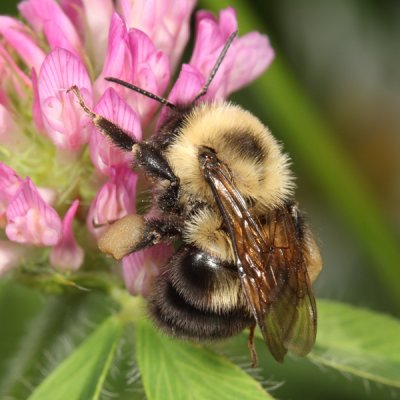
[82, 374]
[26, 305]
[41, 332]
[123, 381]
[22, 366]
[360, 342]
[177, 370]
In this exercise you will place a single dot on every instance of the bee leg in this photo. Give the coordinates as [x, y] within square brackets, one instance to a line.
[312, 254]
[156, 166]
[146, 155]
[135, 232]
[168, 200]
[251, 346]
[153, 162]
[116, 134]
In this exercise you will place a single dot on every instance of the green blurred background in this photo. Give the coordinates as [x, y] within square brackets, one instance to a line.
[332, 97]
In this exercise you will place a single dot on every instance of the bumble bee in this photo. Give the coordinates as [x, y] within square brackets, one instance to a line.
[224, 192]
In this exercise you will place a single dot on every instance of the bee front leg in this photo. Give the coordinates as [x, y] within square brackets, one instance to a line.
[156, 166]
[117, 135]
[136, 232]
[145, 155]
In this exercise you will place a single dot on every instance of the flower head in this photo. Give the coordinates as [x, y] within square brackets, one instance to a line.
[61, 182]
[114, 200]
[132, 57]
[67, 255]
[10, 183]
[104, 155]
[140, 268]
[62, 117]
[30, 220]
[247, 58]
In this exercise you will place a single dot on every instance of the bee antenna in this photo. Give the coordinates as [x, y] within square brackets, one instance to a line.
[153, 96]
[221, 57]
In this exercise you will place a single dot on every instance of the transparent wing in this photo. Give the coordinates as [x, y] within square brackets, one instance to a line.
[271, 267]
[290, 322]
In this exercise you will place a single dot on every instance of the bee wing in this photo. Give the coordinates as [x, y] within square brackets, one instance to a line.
[271, 267]
[290, 321]
[274, 276]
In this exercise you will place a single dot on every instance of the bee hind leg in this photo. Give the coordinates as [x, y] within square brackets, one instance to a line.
[136, 232]
[251, 345]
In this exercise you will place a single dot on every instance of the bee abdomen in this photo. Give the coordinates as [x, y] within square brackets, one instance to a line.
[199, 297]
[204, 281]
[176, 317]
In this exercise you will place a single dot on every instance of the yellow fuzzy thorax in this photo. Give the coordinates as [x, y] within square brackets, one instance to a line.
[259, 168]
